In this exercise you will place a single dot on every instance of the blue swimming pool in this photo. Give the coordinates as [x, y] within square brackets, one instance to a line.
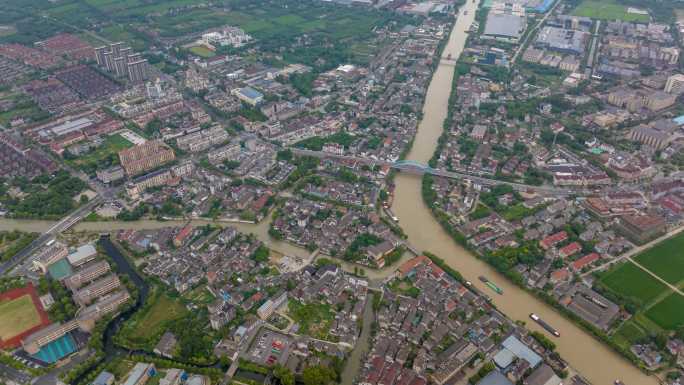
[57, 349]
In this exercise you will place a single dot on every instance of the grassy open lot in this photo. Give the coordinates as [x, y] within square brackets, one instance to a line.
[607, 10]
[668, 313]
[628, 281]
[200, 296]
[202, 51]
[146, 327]
[666, 259]
[118, 32]
[629, 333]
[16, 316]
[102, 157]
[120, 367]
[24, 108]
[163, 309]
[314, 319]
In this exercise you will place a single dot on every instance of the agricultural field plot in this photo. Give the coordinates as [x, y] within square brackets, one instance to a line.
[607, 10]
[113, 5]
[164, 309]
[16, 316]
[668, 313]
[666, 259]
[629, 281]
[102, 157]
[267, 19]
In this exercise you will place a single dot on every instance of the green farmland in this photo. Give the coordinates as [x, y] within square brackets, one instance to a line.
[666, 259]
[668, 313]
[628, 281]
[607, 10]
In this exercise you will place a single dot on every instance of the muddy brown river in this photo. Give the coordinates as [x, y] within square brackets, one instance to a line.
[595, 361]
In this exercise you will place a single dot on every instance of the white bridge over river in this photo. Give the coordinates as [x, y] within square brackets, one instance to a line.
[420, 169]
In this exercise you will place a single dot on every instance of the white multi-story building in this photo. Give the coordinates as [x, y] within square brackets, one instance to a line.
[202, 140]
[231, 36]
[675, 84]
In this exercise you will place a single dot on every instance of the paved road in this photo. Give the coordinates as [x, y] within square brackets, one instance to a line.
[557, 191]
[65, 223]
[482, 180]
[14, 375]
[533, 32]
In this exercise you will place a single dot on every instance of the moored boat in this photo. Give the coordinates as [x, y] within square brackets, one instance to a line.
[545, 325]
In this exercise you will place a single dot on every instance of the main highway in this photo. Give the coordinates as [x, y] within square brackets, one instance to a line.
[22, 257]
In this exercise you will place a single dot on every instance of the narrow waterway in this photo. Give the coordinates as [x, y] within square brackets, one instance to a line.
[260, 230]
[598, 363]
[353, 366]
[122, 267]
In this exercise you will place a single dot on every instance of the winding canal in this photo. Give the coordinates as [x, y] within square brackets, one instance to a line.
[111, 349]
[122, 267]
[356, 359]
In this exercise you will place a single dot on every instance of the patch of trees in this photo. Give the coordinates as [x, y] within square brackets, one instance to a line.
[355, 250]
[133, 215]
[49, 197]
[64, 307]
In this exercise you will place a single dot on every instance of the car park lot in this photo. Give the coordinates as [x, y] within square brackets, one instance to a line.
[270, 348]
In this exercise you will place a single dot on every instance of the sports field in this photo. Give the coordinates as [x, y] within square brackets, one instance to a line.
[607, 10]
[628, 281]
[16, 316]
[666, 259]
[202, 51]
[20, 315]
